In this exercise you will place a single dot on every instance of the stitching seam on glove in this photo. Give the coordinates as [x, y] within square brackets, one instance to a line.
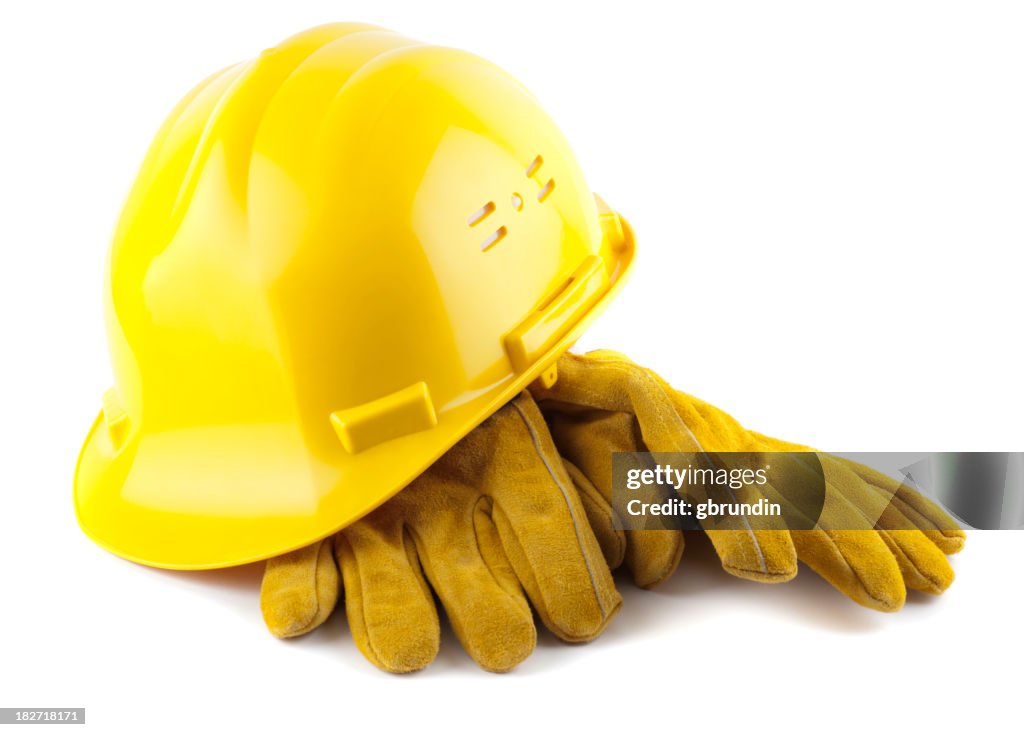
[565, 496]
[325, 548]
[852, 569]
[354, 569]
[904, 558]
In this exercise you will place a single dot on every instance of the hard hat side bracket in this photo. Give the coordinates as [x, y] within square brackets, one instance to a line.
[404, 412]
[533, 337]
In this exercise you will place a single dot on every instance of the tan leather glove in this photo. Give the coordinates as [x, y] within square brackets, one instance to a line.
[603, 402]
[494, 522]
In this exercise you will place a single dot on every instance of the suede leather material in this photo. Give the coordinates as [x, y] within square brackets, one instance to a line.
[300, 590]
[494, 525]
[603, 403]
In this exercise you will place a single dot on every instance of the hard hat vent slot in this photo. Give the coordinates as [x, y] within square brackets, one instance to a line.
[494, 238]
[531, 172]
[546, 190]
[534, 166]
[480, 215]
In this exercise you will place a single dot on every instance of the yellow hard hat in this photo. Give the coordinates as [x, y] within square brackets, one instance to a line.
[336, 261]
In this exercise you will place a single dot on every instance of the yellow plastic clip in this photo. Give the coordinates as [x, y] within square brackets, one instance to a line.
[528, 341]
[404, 412]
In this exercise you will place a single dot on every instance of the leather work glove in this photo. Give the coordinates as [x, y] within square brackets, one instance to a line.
[603, 402]
[495, 517]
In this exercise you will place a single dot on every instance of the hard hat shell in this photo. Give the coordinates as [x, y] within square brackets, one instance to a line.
[337, 259]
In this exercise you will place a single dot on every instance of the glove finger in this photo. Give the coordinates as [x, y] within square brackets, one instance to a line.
[842, 558]
[849, 553]
[922, 513]
[652, 556]
[299, 590]
[601, 516]
[544, 529]
[751, 547]
[586, 441]
[856, 562]
[468, 569]
[950, 539]
[854, 504]
[390, 609]
[923, 565]
[767, 556]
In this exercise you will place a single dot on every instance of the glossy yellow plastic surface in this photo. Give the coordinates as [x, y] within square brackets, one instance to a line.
[336, 261]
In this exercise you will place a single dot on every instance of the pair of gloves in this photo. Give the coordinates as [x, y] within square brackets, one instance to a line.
[519, 513]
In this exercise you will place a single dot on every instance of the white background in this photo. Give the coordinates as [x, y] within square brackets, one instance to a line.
[828, 204]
